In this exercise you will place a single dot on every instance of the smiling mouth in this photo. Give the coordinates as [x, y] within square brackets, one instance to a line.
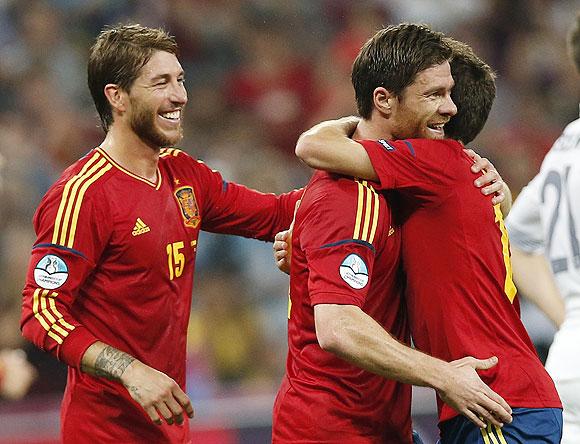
[436, 127]
[173, 116]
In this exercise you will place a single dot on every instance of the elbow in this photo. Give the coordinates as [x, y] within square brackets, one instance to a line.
[306, 151]
[331, 338]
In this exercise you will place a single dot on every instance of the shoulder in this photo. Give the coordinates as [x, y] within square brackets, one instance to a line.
[83, 178]
[175, 158]
[332, 193]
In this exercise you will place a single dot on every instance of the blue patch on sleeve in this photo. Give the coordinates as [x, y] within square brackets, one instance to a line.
[411, 149]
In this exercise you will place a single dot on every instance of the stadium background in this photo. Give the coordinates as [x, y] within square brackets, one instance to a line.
[258, 73]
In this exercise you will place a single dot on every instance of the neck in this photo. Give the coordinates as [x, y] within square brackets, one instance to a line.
[132, 153]
[372, 128]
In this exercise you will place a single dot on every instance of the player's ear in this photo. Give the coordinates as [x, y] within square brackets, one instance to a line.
[382, 100]
[116, 97]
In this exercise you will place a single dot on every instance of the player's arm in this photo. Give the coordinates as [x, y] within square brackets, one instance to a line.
[158, 394]
[535, 281]
[231, 208]
[351, 334]
[328, 146]
[531, 270]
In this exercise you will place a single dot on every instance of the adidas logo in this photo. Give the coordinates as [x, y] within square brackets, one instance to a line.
[140, 228]
[391, 231]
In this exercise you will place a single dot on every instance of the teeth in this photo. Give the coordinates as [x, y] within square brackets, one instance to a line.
[174, 115]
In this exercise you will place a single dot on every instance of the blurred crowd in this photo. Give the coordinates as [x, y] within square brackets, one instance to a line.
[258, 73]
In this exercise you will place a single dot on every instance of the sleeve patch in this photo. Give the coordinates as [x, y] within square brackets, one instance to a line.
[51, 272]
[386, 145]
[354, 271]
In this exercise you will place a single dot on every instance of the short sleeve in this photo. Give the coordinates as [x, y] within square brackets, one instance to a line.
[340, 222]
[524, 221]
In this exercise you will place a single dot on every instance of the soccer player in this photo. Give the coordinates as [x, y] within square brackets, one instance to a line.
[108, 290]
[460, 296]
[544, 227]
[347, 329]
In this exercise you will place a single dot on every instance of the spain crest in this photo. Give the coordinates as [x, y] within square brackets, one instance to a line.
[186, 199]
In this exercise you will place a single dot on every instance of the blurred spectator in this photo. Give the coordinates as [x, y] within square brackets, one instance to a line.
[16, 374]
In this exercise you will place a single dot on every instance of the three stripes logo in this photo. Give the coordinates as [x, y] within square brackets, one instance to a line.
[367, 213]
[65, 225]
[45, 312]
[140, 228]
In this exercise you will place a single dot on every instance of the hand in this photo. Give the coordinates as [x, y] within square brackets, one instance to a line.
[346, 124]
[17, 374]
[158, 394]
[490, 179]
[470, 396]
[283, 250]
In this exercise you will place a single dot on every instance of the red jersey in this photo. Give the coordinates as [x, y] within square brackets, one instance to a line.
[114, 261]
[344, 251]
[460, 294]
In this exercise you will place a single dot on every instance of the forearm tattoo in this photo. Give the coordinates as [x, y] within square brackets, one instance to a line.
[111, 363]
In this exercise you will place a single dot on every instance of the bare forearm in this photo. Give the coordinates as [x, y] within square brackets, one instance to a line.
[359, 339]
[105, 361]
[327, 146]
[534, 279]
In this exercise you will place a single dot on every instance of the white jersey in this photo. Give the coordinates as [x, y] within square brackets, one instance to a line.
[545, 219]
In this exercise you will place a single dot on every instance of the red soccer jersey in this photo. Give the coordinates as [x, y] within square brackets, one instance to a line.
[460, 294]
[344, 251]
[114, 261]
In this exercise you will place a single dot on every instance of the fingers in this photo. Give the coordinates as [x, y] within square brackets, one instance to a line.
[474, 419]
[280, 247]
[504, 411]
[482, 364]
[490, 176]
[183, 401]
[152, 412]
[498, 198]
[281, 236]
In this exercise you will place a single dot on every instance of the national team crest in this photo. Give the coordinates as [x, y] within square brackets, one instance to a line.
[189, 210]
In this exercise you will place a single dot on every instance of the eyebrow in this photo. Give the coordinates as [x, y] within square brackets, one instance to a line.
[166, 76]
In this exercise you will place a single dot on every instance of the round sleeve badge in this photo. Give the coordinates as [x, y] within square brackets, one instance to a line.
[354, 271]
[51, 272]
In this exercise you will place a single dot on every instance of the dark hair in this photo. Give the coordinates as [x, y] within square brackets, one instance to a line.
[117, 56]
[473, 93]
[574, 42]
[392, 58]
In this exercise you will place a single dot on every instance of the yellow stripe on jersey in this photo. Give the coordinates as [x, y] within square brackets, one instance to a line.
[74, 202]
[37, 315]
[491, 435]
[48, 312]
[359, 209]
[375, 217]
[170, 152]
[65, 194]
[509, 286]
[77, 208]
[367, 214]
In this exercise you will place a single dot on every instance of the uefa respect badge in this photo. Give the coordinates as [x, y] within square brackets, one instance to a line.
[354, 271]
[51, 272]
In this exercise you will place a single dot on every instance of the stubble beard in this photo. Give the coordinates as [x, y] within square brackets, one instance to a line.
[144, 125]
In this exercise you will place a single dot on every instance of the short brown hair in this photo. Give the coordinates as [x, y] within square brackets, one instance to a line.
[473, 93]
[392, 58]
[574, 42]
[117, 56]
